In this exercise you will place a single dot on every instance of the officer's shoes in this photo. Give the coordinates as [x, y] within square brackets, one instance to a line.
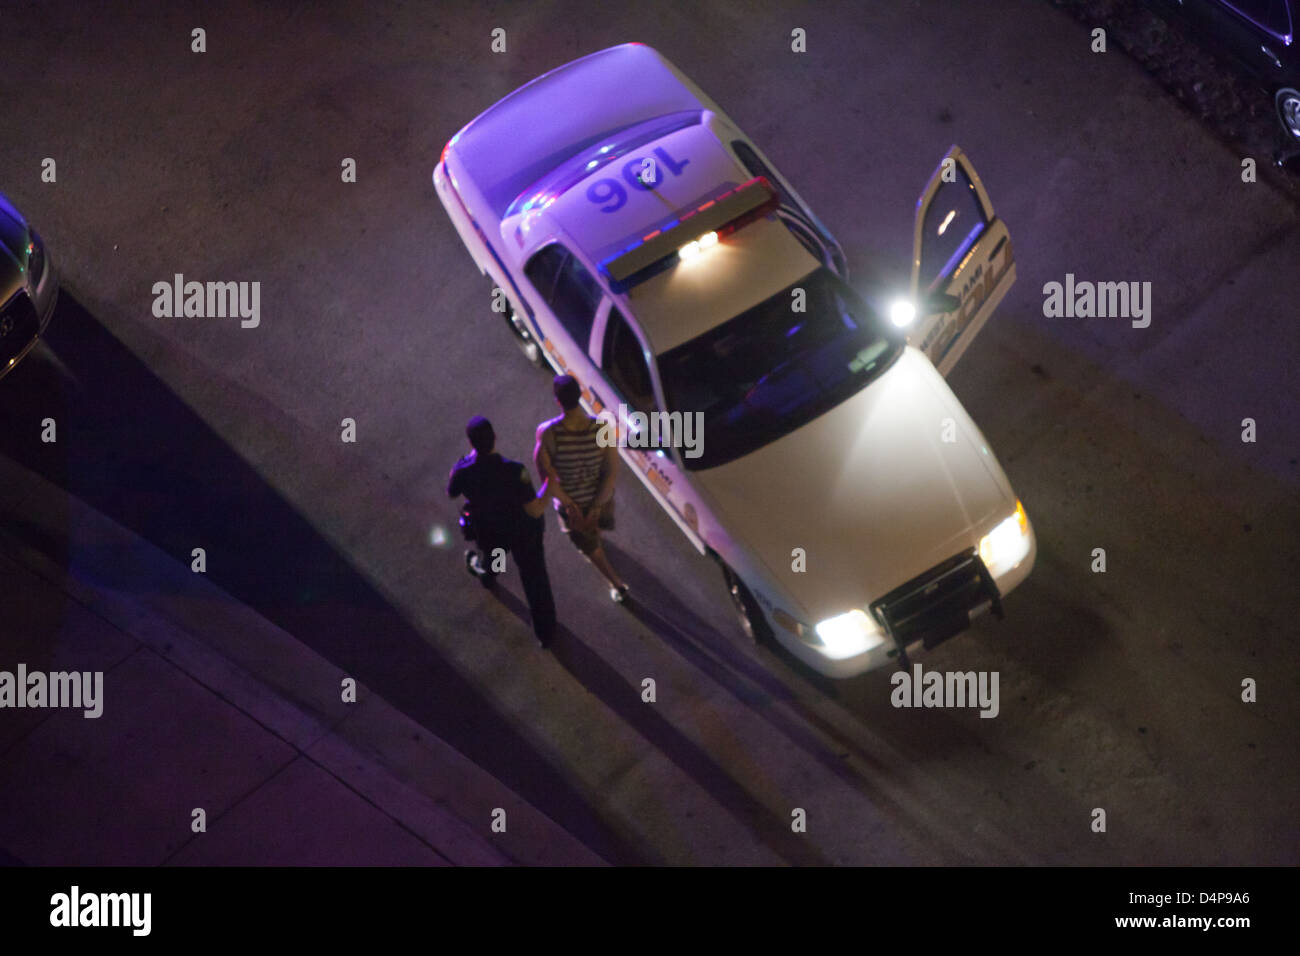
[474, 565]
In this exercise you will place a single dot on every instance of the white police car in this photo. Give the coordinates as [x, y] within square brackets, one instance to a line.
[648, 247]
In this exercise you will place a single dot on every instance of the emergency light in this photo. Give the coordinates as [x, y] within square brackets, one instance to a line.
[690, 233]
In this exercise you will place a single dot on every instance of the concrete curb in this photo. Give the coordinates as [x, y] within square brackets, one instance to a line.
[392, 762]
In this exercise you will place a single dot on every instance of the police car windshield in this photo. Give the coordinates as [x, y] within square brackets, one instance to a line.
[771, 369]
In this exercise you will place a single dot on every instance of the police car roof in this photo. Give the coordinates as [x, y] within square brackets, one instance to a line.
[748, 266]
[606, 211]
[517, 141]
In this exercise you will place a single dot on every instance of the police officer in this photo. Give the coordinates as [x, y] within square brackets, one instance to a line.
[506, 516]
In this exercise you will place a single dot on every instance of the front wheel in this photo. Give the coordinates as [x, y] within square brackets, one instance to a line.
[752, 620]
[1287, 102]
[532, 351]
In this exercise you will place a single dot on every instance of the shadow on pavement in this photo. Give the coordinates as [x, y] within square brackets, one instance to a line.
[928, 735]
[130, 448]
[612, 688]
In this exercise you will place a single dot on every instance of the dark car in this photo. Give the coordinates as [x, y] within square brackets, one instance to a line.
[1261, 36]
[28, 286]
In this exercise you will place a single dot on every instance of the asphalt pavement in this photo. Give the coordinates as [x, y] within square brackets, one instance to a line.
[216, 739]
[1120, 690]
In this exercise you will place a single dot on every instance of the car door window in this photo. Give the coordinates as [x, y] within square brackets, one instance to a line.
[568, 288]
[1269, 14]
[953, 219]
[544, 267]
[800, 231]
[757, 167]
[624, 364]
[813, 235]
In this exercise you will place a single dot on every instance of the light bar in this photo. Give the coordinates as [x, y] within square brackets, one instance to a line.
[659, 249]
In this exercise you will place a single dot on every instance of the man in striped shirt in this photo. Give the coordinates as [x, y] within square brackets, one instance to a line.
[580, 475]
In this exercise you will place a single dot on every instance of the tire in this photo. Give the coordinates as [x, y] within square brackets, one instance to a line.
[532, 351]
[1287, 103]
[752, 620]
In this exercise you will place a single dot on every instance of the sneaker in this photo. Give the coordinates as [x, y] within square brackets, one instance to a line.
[619, 595]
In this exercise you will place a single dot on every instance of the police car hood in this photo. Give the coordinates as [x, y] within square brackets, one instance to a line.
[870, 491]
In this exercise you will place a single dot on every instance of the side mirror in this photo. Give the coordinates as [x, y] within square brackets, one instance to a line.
[942, 302]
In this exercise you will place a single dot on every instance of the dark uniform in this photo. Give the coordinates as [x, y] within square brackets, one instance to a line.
[496, 490]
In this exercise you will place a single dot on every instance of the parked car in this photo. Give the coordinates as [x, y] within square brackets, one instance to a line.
[29, 286]
[1260, 36]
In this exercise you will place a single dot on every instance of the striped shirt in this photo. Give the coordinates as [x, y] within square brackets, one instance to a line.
[578, 460]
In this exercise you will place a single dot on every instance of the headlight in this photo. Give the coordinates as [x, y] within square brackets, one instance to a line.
[849, 634]
[1006, 545]
[902, 312]
[35, 260]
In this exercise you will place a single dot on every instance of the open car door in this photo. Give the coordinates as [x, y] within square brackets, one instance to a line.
[962, 263]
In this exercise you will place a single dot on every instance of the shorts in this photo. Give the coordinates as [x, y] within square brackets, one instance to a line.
[589, 541]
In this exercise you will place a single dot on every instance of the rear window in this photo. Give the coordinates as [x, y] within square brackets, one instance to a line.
[609, 148]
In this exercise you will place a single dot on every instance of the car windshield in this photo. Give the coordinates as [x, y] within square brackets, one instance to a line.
[772, 369]
[12, 237]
